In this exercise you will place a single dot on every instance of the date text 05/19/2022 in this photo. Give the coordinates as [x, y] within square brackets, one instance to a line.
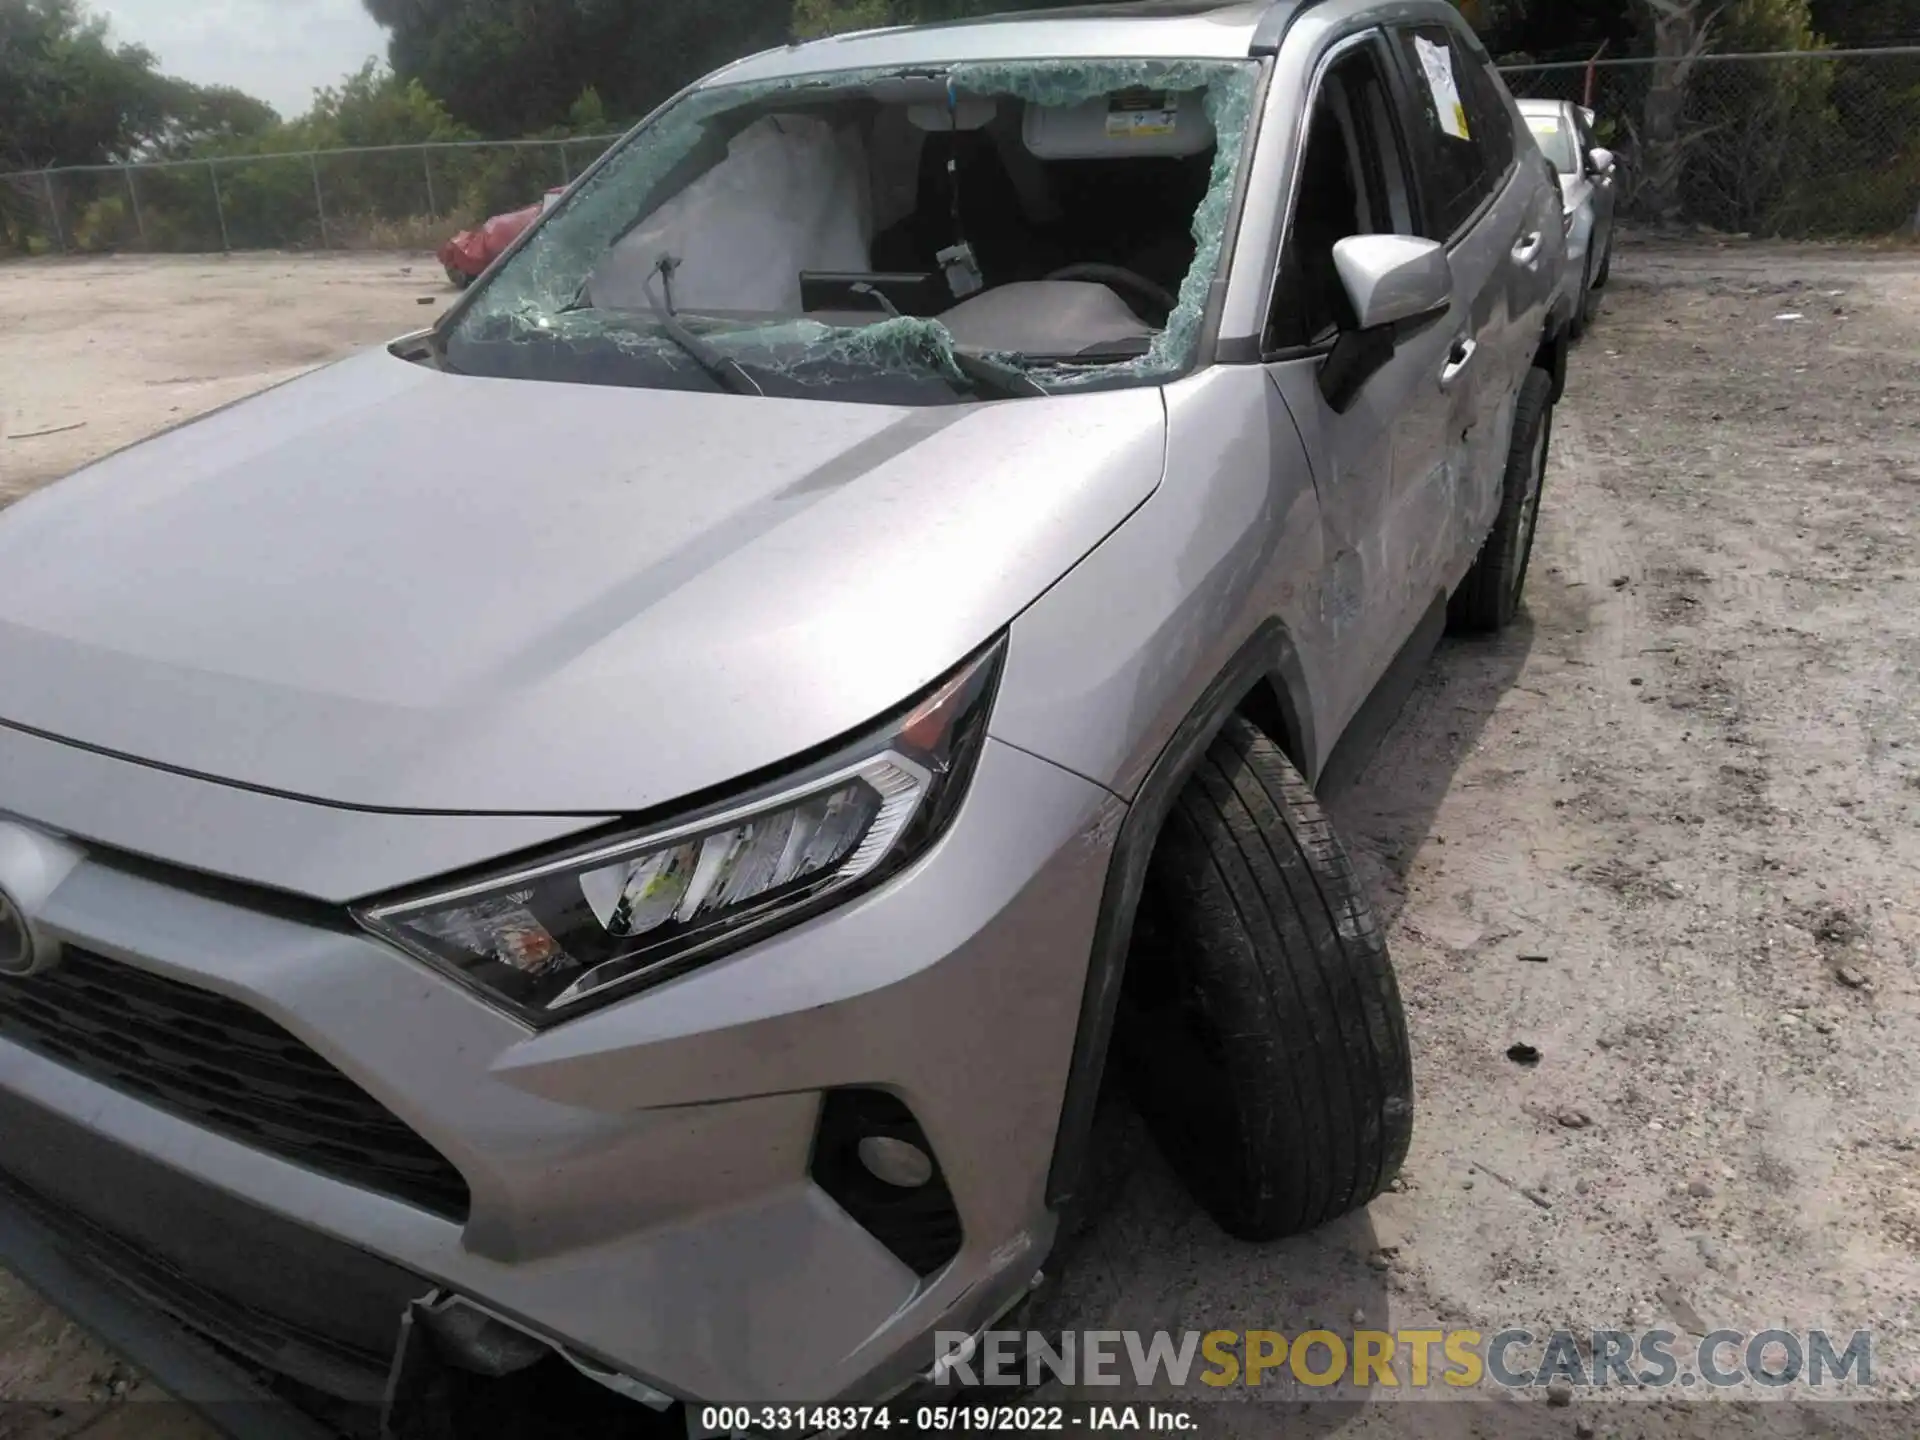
[730, 1420]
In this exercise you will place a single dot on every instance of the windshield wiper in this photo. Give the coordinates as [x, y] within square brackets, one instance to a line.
[1106, 354]
[996, 377]
[990, 377]
[727, 371]
[580, 300]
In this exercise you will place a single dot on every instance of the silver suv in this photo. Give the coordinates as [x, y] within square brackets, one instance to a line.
[620, 836]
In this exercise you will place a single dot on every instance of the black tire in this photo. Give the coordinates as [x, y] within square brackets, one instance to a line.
[1260, 1030]
[1489, 598]
[1583, 308]
[1606, 267]
[459, 279]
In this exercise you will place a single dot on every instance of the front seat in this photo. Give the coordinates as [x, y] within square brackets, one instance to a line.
[992, 218]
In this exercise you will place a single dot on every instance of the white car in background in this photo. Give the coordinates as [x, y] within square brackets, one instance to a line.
[1587, 192]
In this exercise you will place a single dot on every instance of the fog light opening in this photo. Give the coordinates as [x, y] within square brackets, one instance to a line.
[873, 1160]
[895, 1162]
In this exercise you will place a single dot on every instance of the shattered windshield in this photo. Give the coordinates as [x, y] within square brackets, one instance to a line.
[907, 237]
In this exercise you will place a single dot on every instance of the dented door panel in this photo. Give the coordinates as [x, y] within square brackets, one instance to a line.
[1376, 538]
[1505, 262]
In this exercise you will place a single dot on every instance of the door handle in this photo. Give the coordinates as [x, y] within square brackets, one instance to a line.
[1528, 248]
[1458, 359]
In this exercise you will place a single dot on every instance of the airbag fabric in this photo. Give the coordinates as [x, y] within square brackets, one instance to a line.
[791, 195]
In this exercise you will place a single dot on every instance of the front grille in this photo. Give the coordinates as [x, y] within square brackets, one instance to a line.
[267, 1340]
[213, 1061]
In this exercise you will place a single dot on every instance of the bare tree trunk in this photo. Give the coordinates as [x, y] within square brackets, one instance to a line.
[1680, 32]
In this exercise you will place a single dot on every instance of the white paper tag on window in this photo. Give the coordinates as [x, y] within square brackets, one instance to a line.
[1436, 63]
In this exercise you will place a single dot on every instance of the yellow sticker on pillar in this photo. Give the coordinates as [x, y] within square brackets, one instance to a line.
[1436, 65]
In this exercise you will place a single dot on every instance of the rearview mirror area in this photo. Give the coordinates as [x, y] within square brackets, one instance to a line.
[1601, 159]
[1393, 279]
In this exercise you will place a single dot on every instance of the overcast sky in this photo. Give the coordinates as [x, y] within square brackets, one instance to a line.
[279, 50]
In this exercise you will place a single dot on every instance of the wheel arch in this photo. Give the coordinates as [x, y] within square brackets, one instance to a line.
[1264, 681]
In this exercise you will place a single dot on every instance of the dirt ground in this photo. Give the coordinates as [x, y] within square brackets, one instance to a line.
[124, 347]
[1664, 832]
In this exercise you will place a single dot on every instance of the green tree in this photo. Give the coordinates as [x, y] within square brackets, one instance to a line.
[813, 18]
[1868, 22]
[377, 194]
[71, 96]
[511, 67]
[68, 95]
[374, 107]
[198, 119]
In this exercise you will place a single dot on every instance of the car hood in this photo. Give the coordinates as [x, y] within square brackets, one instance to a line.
[389, 587]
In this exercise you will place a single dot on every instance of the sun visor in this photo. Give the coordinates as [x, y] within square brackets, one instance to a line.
[1127, 123]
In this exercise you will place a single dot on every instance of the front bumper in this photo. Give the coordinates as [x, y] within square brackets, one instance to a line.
[640, 1178]
[144, 1308]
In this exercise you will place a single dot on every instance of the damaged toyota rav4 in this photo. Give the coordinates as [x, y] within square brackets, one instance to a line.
[617, 840]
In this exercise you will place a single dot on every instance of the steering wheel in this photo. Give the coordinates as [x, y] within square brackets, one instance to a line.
[1131, 285]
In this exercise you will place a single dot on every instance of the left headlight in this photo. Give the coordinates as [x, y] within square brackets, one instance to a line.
[551, 940]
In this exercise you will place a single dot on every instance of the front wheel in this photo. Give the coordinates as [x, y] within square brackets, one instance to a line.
[1489, 598]
[1606, 267]
[1260, 1028]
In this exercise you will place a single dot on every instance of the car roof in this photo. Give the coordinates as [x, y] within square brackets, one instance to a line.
[1145, 29]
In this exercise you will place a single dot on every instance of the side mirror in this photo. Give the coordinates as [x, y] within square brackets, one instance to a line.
[1392, 279]
[1601, 160]
[1394, 284]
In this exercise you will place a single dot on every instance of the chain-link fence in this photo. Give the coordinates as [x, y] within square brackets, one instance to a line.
[1804, 143]
[410, 196]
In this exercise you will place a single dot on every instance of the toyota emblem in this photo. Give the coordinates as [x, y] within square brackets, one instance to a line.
[16, 941]
[32, 865]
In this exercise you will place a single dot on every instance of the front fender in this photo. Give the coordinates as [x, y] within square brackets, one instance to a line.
[1204, 602]
[1264, 671]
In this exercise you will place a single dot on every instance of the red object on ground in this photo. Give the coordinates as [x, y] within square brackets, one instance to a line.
[471, 251]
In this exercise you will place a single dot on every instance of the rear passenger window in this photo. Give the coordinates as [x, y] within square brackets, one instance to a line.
[1486, 96]
[1464, 134]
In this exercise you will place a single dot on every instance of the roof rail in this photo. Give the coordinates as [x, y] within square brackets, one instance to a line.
[1274, 25]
